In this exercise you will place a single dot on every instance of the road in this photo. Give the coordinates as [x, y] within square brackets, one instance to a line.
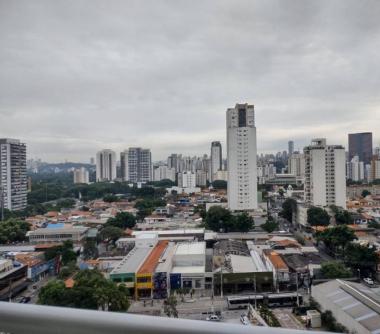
[33, 292]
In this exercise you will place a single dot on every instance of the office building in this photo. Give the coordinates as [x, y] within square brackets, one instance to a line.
[81, 175]
[325, 177]
[290, 147]
[375, 169]
[13, 179]
[241, 155]
[187, 180]
[201, 178]
[296, 164]
[136, 165]
[105, 165]
[360, 144]
[216, 158]
[355, 169]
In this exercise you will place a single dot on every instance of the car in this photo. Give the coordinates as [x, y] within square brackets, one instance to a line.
[368, 280]
[244, 320]
[213, 317]
[25, 300]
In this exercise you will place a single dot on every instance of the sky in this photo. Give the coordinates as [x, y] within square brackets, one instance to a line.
[77, 76]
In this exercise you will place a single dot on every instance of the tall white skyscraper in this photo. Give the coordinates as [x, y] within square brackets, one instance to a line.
[164, 173]
[241, 155]
[216, 158]
[187, 179]
[105, 165]
[13, 179]
[136, 165]
[355, 169]
[325, 177]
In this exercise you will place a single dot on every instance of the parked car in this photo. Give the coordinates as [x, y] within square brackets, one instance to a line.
[244, 320]
[368, 280]
[25, 300]
[213, 317]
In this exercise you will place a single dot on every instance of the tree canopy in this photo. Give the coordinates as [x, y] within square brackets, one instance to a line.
[219, 219]
[219, 184]
[318, 217]
[91, 290]
[335, 269]
[343, 217]
[122, 220]
[13, 230]
[365, 193]
[288, 208]
[337, 238]
[110, 233]
[65, 251]
[361, 257]
[270, 225]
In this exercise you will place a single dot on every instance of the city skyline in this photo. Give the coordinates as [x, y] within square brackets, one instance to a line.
[116, 81]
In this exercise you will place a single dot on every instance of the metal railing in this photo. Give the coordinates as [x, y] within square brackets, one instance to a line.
[36, 319]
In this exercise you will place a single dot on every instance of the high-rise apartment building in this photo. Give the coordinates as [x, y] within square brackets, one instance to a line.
[296, 164]
[355, 169]
[374, 169]
[290, 147]
[164, 173]
[136, 165]
[325, 177]
[187, 180]
[241, 155]
[81, 175]
[216, 158]
[360, 144]
[201, 178]
[105, 165]
[13, 179]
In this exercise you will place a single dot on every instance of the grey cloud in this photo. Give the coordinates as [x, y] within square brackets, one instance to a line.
[78, 76]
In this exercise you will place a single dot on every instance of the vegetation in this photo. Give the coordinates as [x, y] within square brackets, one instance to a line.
[288, 208]
[109, 198]
[65, 251]
[361, 257]
[110, 233]
[269, 317]
[365, 193]
[300, 238]
[13, 230]
[270, 225]
[165, 183]
[219, 184]
[335, 269]
[122, 220]
[344, 217]
[337, 238]
[91, 291]
[373, 224]
[317, 217]
[170, 306]
[330, 323]
[219, 219]
[90, 249]
[145, 207]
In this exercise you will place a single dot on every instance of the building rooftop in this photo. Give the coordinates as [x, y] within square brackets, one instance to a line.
[165, 262]
[188, 270]
[172, 232]
[191, 248]
[240, 264]
[151, 261]
[276, 259]
[132, 262]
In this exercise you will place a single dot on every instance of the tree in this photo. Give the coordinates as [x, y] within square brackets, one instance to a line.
[65, 251]
[219, 219]
[361, 257]
[91, 290]
[90, 249]
[122, 220]
[13, 230]
[111, 233]
[270, 225]
[335, 269]
[243, 222]
[219, 184]
[288, 208]
[343, 217]
[365, 193]
[317, 217]
[373, 224]
[109, 198]
[170, 306]
[337, 238]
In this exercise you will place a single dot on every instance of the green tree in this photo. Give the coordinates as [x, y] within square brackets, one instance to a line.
[90, 249]
[337, 238]
[110, 198]
[335, 269]
[53, 293]
[122, 220]
[270, 225]
[13, 230]
[219, 219]
[219, 184]
[361, 257]
[365, 193]
[243, 222]
[170, 306]
[288, 208]
[317, 217]
[373, 224]
[343, 217]
[65, 251]
[110, 233]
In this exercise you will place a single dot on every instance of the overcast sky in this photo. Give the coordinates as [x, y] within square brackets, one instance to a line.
[78, 76]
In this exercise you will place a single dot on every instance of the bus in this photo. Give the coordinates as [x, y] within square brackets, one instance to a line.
[242, 302]
[283, 299]
[287, 299]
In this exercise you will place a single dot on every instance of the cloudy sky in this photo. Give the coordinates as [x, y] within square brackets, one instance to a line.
[78, 76]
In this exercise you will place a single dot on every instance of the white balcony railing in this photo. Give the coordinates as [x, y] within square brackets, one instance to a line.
[35, 319]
